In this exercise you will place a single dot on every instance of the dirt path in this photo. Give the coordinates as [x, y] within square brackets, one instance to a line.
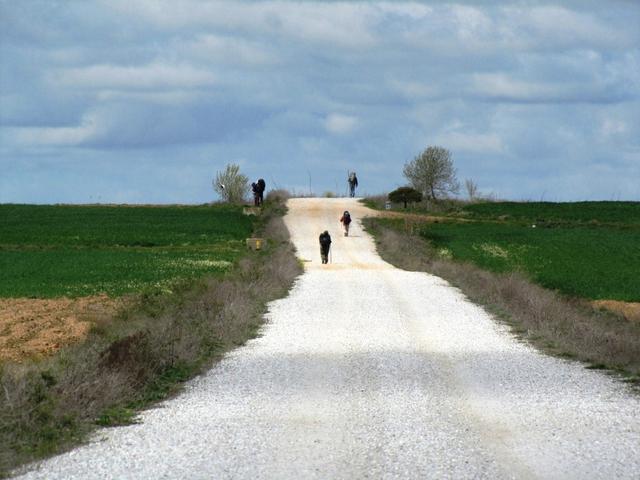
[367, 371]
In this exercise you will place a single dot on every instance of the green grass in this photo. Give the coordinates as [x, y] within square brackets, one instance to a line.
[51, 251]
[587, 249]
[593, 213]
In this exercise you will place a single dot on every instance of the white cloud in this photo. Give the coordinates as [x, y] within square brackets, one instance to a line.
[562, 27]
[412, 10]
[54, 136]
[228, 50]
[415, 89]
[500, 85]
[340, 124]
[508, 87]
[341, 24]
[470, 142]
[471, 22]
[611, 127]
[451, 29]
[165, 97]
[154, 75]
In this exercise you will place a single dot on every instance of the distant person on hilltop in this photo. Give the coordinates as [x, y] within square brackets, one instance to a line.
[256, 194]
[325, 245]
[353, 183]
[261, 187]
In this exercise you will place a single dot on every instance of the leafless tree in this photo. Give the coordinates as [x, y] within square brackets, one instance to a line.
[231, 185]
[472, 188]
[432, 173]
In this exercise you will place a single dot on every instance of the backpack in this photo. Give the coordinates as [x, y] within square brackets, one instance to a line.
[346, 218]
[325, 240]
[261, 185]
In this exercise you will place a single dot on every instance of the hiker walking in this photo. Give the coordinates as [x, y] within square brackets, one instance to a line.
[261, 186]
[345, 220]
[325, 245]
[353, 183]
[256, 194]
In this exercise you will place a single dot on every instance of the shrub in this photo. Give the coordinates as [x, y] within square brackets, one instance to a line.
[404, 195]
[231, 185]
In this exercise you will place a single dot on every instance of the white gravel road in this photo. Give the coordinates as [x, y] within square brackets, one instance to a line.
[367, 371]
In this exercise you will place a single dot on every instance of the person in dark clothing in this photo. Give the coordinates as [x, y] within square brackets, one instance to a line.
[261, 187]
[345, 219]
[353, 183]
[256, 194]
[325, 245]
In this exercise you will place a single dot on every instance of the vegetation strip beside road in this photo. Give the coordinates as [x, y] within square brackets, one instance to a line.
[560, 325]
[144, 354]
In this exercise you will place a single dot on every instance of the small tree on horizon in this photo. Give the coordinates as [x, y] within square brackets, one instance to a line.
[432, 173]
[472, 189]
[231, 185]
[405, 195]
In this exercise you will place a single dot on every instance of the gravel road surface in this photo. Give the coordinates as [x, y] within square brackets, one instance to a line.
[367, 371]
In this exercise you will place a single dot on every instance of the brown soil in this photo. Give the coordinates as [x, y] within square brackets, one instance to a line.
[629, 310]
[37, 327]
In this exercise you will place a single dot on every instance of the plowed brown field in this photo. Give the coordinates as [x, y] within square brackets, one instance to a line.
[629, 310]
[37, 327]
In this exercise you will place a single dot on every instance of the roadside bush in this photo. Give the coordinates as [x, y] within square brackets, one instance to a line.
[231, 185]
[405, 195]
[279, 196]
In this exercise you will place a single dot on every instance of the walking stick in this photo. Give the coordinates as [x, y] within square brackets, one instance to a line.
[348, 173]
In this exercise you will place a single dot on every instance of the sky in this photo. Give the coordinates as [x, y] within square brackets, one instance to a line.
[122, 101]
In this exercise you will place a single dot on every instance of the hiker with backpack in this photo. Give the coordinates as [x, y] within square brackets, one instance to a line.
[353, 183]
[256, 194]
[345, 219]
[325, 245]
[260, 190]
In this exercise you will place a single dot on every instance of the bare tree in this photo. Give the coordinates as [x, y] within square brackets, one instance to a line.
[432, 173]
[472, 188]
[231, 185]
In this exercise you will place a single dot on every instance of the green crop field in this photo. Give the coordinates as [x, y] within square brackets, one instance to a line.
[50, 251]
[586, 249]
[591, 213]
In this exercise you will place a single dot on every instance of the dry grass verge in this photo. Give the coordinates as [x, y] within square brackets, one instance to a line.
[567, 327]
[142, 356]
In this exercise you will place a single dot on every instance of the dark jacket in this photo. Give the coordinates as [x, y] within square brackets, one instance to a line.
[325, 240]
